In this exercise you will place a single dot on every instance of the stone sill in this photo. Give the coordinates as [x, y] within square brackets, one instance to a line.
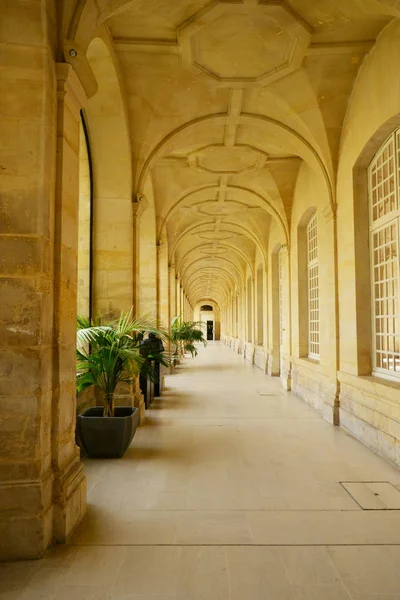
[308, 363]
[374, 386]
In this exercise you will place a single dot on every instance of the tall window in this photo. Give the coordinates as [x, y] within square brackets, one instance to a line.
[280, 275]
[84, 224]
[236, 316]
[260, 307]
[313, 288]
[249, 311]
[384, 182]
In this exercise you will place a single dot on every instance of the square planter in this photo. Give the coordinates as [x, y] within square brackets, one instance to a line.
[107, 437]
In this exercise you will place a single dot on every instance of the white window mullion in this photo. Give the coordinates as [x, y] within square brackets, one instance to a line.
[280, 270]
[313, 288]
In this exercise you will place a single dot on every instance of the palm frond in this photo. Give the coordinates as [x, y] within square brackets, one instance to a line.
[93, 334]
[109, 354]
[185, 333]
[84, 322]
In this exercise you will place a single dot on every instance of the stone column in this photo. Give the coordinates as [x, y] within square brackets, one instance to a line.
[177, 296]
[172, 303]
[137, 209]
[69, 490]
[162, 285]
[172, 292]
[42, 485]
[27, 123]
[286, 362]
[138, 400]
[330, 329]
[182, 304]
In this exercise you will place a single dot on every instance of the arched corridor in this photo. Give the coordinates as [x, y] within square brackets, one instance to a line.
[234, 162]
[230, 490]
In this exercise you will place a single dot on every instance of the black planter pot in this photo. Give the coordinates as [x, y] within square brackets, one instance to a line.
[107, 437]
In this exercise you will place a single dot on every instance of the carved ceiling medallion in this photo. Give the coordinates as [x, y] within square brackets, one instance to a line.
[216, 235]
[213, 208]
[235, 42]
[225, 160]
[213, 250]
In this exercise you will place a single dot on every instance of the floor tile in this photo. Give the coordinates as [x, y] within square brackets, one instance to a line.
[308, 566]
[324, 527]
[368, 569]
[257, 573]
[222, 527]
[83, 592]
[95, 566]
[225, 495]
[142, 597]
[320, 592]
[129, 527]
[14, 577]
[202, 574]
[148, 570]
[47, 580]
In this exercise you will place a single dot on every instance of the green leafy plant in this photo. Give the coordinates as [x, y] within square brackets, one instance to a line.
[185, 334]
[109, 354]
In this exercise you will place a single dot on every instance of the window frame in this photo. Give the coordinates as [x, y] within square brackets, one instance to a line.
[378, 225]
[280, 296]
[312, 275]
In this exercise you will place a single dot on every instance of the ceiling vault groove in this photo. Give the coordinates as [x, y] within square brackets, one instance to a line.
[272, 210]
[248, 233]
[234, 265]
[234, 249]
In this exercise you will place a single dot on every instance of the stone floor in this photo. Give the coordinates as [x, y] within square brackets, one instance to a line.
[230, 491]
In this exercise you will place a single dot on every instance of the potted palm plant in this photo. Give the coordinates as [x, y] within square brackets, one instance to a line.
[185, 334]
[107, 355]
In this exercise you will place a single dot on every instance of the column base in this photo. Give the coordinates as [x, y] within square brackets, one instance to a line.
[26, 519]
[36, 514]
[286, 376]
[69, 499]
[138, 400]
[273, 365]
[331, 409]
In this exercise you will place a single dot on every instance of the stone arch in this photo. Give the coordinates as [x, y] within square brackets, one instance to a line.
[308, 151]
[113, 260]
[263, 201]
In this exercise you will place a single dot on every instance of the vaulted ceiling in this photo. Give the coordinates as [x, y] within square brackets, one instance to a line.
[226, 100]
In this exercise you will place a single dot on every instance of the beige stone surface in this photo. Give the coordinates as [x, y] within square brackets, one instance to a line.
[210, 501]
[42, 484]
[215, 131]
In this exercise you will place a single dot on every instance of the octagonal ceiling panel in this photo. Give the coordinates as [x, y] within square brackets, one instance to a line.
[228, 160]
[212, 236]
[244, 43]
[214, 250]
[214, 208]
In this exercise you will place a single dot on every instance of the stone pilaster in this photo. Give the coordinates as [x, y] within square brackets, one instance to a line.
[69, 490]
[138, 400]
[137, 210]
[332, 393]
[162, 285]
[42, 485]
[286, 347]
[172, 292]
